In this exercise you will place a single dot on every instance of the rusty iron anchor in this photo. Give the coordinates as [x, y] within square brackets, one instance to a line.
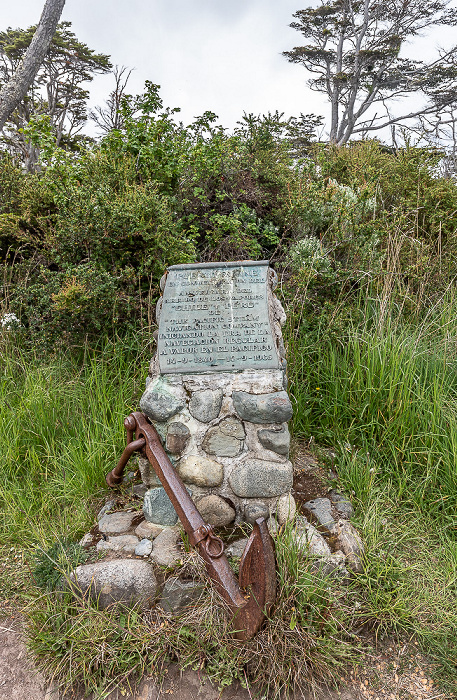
[252, 596]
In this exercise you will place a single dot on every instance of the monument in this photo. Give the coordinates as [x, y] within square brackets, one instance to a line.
[216, 394]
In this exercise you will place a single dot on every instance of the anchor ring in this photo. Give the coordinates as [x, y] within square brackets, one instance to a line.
[216, 540]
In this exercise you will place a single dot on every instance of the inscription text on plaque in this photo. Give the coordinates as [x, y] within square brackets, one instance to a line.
[214, 317]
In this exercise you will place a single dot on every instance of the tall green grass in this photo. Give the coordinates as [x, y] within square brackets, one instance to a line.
[61, 430]
[386, 393]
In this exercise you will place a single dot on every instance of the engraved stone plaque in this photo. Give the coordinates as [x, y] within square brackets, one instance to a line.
[214, 318]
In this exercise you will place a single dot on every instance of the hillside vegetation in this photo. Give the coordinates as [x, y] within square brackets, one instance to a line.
[364, 241]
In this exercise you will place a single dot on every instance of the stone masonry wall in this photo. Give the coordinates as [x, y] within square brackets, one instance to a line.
[227, 435]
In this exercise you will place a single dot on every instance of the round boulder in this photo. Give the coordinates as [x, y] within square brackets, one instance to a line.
[215, 511]
[200, 471]
[116, 581]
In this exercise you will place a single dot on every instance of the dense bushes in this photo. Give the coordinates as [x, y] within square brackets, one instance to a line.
[84, 241]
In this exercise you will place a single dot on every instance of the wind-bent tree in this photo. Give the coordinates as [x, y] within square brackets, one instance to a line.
[57, 90]
[353, 50]
[16, 88]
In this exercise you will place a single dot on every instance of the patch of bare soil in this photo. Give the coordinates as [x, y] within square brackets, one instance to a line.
[19, 680]
[310, 479]
[396, 673]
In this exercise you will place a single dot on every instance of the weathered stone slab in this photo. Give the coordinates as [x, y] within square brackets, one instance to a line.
[263, 408]
[321, 510]
[146, 530]
[309, 540]
[214, 317]
[165, 550]
[118, 543]
[257, 478]
[117, 523]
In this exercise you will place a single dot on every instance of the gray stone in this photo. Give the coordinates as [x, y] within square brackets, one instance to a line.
[225, 439]
[342, 504]
[117, 523]
[332, 566]
[348, 539]
[309, 540]
[158, 403]
[255, 510]
[178, 435]
[107, 507]
[139, 490]
[236, 548]
[200, 471]
[275, 439]
[115, 581]
[354, 563]
[257, 478]
[273, 278]
[158, 508]
[321, 510]
[177, 594]
[286, 508]
[144, 548]
[118, 543]
[87, 541]
[273, 527]
[263, 408]
[233, 427]
[148, 475]
[148, 530]
[215, 510]
[205, 405]
[165, 551]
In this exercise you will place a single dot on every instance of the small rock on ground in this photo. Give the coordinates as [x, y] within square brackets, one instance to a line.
[236, 549]
[118, 543]
[117, 523]
[321, 510]
[165, 551]
[177, 594]
[309, 540]
[144, 548]
[148, 530]
[108, 506]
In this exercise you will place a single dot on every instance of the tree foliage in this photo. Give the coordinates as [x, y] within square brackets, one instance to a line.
[57, 92]
[354, 51]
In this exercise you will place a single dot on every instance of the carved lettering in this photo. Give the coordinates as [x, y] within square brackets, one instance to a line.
[216, 319]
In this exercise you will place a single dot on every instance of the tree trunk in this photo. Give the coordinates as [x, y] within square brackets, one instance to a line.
[16, 89]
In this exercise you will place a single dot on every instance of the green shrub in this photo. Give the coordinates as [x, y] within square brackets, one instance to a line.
[56, 562]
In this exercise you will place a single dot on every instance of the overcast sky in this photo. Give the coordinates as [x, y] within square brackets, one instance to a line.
[219, 55]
